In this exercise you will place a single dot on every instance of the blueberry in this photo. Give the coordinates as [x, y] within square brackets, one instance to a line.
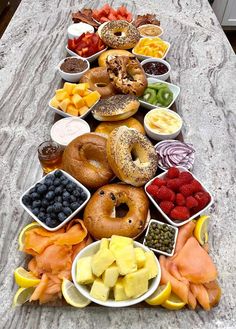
[83, 196]
[50, 209]
[57, 207]
[58, 198]
[51, 222]
[51, 188]
[53, 215]
[65, 181]
[58, 190]
[58, 173]
[42, 189]
[50, 195]
[70, 187]
[61, 216]
[74, 206]
[35, 196]
[45, 203]
[27, 200]
[67, 211]
[32, 190]
[35, 211]
[73, 198]
[76, 193]
[42, 209]
[78, 188]
[66, 196]
[36, 204]
[57, 182]
[62, 178]
[42, 216]
[65, 203]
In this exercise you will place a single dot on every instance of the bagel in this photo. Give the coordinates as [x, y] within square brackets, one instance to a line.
[115, 108]
[85, 159]
[100, 216]
[119, 34]
[112, 52]
[127, 75]
[131, 156]
[108, 127]
[98, 79]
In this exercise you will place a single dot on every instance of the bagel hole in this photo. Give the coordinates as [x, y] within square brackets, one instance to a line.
[118, 34]
[100, 84]
[138, 156]
[122, 210]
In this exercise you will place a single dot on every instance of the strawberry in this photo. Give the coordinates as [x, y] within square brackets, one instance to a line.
[166, 206]
[196, 186]
[186, 190]
[159, 182]
[165, 193]
[180, 213]
[152, 189]
[180, 199]
[185, 177]
[191, 202]
[172, 172]
[174, 184]
[203, 198]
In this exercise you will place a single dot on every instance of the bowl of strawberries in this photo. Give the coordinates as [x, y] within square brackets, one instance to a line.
[178, 195]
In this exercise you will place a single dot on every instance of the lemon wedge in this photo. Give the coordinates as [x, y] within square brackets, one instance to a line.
[72, 295]
[22, 295]
[24, 278]
[160, 295]
[21, 238]
[173, 303]
[201, 229]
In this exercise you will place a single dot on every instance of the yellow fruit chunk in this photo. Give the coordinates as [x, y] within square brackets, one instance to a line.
[119, 291]
[69, 87]
[140, 257]
[99, 290]
[64, 104]
[136, 284]
[72, 110]
[160, 295]
[21, 239]
[101, 261]
[83, 110]
[80, 89]
[24, 278]
[61, 94]
[151, 264]
[125, 260]
[22, 296]
[72, 295]
[118, 242]
[173, 303]
[104, 244]
[54, 102]
[110, 276]
[91, 98]
[201, 229]
[78, 101]
[84, 273]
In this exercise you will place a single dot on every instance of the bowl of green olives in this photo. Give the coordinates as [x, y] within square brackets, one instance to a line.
[161, 237]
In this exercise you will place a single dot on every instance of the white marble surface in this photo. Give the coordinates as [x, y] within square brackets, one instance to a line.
[203, 65]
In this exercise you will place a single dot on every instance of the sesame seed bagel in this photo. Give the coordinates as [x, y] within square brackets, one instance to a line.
[131, 156]
[129, 34]
[114, 108]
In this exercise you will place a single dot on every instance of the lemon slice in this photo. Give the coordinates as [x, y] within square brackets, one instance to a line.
[72, 295]
[173, 303]
[24, 278]
[22, 295]
[21, 238]
[160, 295]
[201, 229]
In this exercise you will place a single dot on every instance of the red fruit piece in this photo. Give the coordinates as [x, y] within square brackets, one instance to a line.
[174, 184]
[191, 202]
[159, 182]
[186, 190]
[180, 199]
[185, 177]
[196, 186]
[165, 193]
[180, 213]
[172, 172]
[203, 198]
[166, 206]
[152, 189]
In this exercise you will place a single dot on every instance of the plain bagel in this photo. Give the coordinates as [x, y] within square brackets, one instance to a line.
[108, 127]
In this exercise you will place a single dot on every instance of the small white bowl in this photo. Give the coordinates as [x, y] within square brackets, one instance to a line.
[68, 218]
[178, 223]
[72, 77]
[175, 90]
[162, 77]
[77, 29]
[90, 58]
[142, 57]
[84, 290]
[157, 250]
[149, 36]
[158, 136]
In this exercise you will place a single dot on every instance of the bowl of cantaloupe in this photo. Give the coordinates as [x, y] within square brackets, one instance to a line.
[116, 272]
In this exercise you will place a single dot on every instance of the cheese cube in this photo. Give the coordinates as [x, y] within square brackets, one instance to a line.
[119, 291]
[125, 260]
[110, 276]
[64, 104]
[101, 261]
[83, 110]
[91, 98]
[81, 89]
[151, 265]
[140, 257]
[61, 94]
[104, 244]
[69, 87]
[118, 242]
[54, 102]
[99, 290]
[72, 110]
[136, 284]
[78, 101]
[84, 273]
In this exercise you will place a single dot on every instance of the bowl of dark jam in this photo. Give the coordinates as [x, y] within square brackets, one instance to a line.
[156, 68]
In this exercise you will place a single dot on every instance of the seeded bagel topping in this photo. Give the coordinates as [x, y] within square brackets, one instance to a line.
[114, 105]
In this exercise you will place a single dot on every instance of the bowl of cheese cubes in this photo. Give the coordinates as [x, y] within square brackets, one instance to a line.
[116, 272]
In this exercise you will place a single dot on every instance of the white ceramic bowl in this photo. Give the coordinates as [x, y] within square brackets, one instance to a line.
[84, 290]
[90, 58]
[158, 136]
[157, 250]
[72, 77]
[68, 218]
[162, 77]
[142, 57]
[175, 90]
[145, 36]
[77, 29]
[177, 223]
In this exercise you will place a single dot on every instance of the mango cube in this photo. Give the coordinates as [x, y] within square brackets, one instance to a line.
[101, 261]
[125, 260]
[78, 101]
[61, 94]
[119, 291]
[104, 244]
[91, 98]
[69, 87]
[136, 284]
[83, 110]
[80, 89]
[64, 104]
[150, 265]
[140, 257]
[72, 110]
[54, 102]
[99, 290]
[84, 273]
[110, 276]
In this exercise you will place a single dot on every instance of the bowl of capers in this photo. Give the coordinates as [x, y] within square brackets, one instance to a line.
[161, 237]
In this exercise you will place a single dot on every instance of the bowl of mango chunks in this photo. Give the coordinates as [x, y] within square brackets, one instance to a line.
[116, 272]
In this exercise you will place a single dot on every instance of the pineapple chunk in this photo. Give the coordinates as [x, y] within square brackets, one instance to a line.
[54, 102]
[118, 242]
[72, 110]
[119, 291]
[61, 94]
[101, 261]
[81, 89]
[125, 260]
[136, 284]
[140, 257]
[110, 276]
[78, 101]
[104, 244]
[83, 110]
[69, 87]
[64, 104]
[150, 264]
[91, 98]
[99, 290]
[84, 273]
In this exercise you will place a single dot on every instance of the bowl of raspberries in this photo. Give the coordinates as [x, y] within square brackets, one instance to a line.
[178, 195]
[55, 199]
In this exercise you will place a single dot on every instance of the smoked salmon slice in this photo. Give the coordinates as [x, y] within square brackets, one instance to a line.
[185, 232]
[200, 293]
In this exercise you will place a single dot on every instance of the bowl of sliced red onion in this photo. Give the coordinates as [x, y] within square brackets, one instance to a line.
[174, 153]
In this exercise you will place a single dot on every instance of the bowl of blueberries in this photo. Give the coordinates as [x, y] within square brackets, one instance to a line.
[55, 199]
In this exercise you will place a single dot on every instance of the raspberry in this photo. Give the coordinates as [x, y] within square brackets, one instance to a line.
[203, 198]
[186, 190]
[180, 213]
[159, 182]
[185, 177]
[172, 172]
[166, 206]
[196, 186]
[165, 193]
[180, 199]
[152, 189]
[174, 184]
[191, 202]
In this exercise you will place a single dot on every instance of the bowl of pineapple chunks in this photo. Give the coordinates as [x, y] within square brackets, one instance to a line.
[116, 272]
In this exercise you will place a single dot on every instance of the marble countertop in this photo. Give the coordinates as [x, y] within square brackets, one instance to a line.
[203, 65]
